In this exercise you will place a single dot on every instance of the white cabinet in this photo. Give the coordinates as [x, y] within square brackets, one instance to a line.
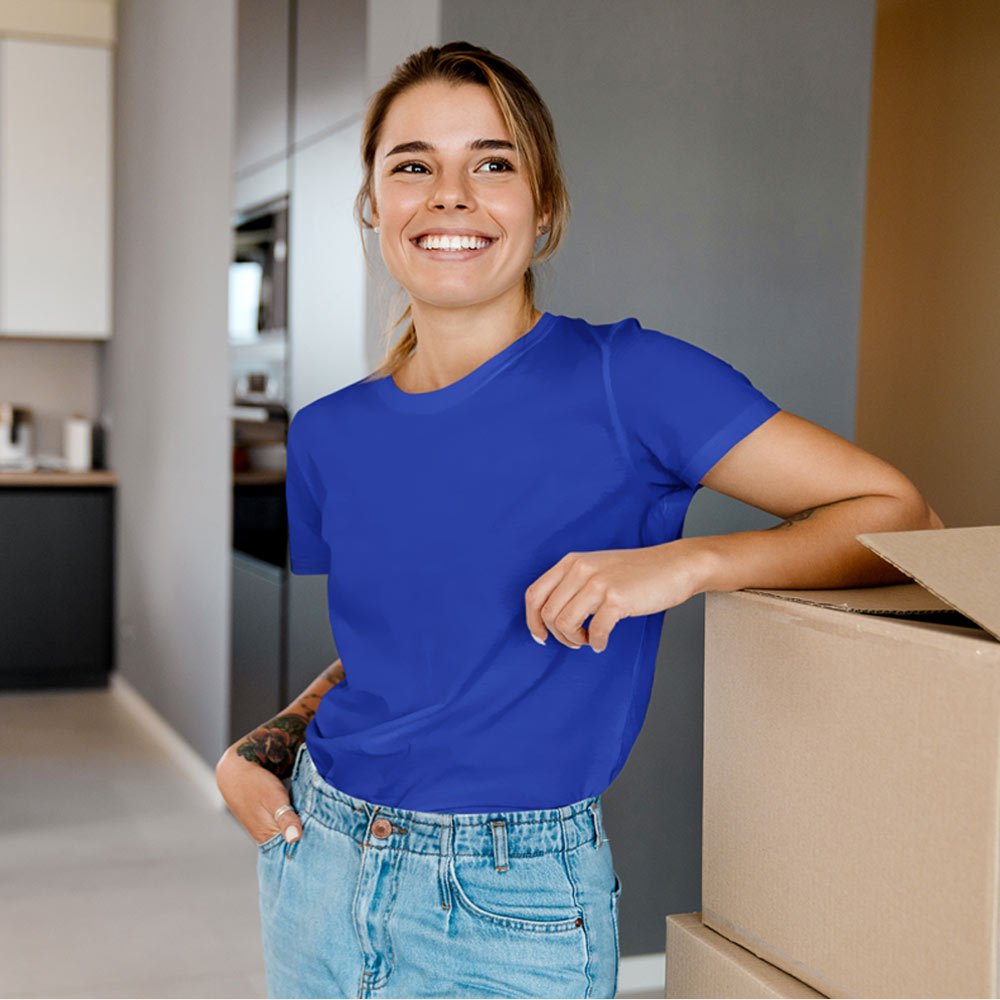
[260, 152]
[55, 189]
[330, 47]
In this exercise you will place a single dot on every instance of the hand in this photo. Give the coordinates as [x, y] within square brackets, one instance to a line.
[253, 794]
[610, 585]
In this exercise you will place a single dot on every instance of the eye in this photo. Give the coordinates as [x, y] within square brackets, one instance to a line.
[411, 167]
[496, 165]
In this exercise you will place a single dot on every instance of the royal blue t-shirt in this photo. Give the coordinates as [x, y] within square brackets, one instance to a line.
[433, 512]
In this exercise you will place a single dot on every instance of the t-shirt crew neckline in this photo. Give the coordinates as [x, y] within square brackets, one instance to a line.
[439, 399]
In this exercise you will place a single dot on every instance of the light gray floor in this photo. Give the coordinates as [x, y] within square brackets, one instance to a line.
[117, 877]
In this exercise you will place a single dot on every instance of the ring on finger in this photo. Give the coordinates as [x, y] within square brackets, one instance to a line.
[280, 810]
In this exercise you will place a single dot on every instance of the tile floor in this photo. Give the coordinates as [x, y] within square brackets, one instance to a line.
[118, 877]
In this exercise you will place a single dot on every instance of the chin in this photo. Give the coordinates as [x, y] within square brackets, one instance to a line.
[462, 296]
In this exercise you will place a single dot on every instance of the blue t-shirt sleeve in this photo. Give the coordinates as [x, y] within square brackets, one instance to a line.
[680, 407]
[304, 493]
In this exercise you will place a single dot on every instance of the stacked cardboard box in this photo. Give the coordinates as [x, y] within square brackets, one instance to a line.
[852, 774]
[701, 963]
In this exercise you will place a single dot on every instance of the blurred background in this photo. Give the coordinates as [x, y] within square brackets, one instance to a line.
[806, 189]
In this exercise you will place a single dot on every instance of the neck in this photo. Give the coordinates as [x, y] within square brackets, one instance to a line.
[451, 342]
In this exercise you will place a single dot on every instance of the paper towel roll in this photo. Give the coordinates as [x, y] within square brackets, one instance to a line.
[77, 444]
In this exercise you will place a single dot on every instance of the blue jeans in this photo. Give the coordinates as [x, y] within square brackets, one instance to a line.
[373, 901]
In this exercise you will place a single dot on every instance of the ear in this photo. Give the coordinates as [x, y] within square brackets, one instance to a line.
[374, 212]
[544, 222]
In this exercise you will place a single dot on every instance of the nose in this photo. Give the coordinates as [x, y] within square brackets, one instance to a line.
[452, 191]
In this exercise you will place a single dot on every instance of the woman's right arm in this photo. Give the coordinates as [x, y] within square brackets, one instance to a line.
[249, 774]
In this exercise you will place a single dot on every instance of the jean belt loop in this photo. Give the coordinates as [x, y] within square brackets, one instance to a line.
[447, 841]
[499, 830]
[298, 766]
[302, 773]
[598, 826]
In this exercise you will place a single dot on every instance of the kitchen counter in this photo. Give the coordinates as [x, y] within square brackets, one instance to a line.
[45, 477]
[258, 477]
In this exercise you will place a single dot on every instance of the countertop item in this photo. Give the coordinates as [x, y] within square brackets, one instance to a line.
[78, 437]
[96, 477]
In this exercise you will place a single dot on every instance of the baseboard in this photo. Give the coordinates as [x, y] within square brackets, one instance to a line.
[643, 973]
[170, 741]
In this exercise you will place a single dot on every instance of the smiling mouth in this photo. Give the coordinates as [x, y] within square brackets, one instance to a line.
[439, 241]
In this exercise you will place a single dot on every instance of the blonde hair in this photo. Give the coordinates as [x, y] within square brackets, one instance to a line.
[529, 123]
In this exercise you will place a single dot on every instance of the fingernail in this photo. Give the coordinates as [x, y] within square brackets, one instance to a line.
[291, 833]
[541, 642]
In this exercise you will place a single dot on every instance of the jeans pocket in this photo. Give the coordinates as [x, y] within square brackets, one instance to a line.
[616, 895]
[297, 800]
[533, 894]
[271, 842]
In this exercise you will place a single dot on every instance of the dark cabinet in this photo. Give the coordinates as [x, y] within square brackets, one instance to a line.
[257, 686]
[281, 639]
[56, 586]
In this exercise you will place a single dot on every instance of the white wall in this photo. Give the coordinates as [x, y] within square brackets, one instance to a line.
[166, 367]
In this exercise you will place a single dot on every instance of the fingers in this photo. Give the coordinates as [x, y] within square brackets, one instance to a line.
[560, 601]
[604, 620]
[565, 616]
[286, 821]
[538, 600]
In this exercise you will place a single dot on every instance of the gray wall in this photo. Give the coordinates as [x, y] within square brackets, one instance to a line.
[165, 368]
[715, 151]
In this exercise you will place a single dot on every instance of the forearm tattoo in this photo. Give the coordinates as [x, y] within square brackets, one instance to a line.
[275, 743]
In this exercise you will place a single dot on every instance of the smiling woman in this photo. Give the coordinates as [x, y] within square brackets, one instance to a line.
[467, 96]
[506, 476]
[457, 221]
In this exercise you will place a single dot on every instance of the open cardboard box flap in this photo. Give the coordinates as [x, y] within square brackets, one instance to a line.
[955, 569]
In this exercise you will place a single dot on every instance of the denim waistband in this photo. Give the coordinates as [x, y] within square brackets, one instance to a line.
[500, 834]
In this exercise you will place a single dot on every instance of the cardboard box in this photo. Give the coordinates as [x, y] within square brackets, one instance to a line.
[701, 963]
[852, 775]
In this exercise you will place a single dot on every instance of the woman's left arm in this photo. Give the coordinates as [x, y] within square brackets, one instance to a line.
[827, 491]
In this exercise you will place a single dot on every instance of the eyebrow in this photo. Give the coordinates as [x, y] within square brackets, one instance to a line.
[419, 146]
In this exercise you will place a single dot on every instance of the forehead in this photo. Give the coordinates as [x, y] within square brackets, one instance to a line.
[442, 114]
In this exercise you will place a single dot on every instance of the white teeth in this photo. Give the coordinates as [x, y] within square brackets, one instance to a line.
[439, 241]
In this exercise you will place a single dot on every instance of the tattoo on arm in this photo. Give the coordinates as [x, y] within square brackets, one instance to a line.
[275, 743]
[334, 673]
[805, 515]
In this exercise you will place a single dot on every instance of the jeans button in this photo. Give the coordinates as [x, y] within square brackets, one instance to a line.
[381, 828]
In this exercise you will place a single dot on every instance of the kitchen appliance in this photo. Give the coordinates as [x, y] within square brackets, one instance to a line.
[258, 274]
[16, 437]
[258, 354]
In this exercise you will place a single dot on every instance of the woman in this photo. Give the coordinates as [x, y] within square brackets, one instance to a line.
[504, 476]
